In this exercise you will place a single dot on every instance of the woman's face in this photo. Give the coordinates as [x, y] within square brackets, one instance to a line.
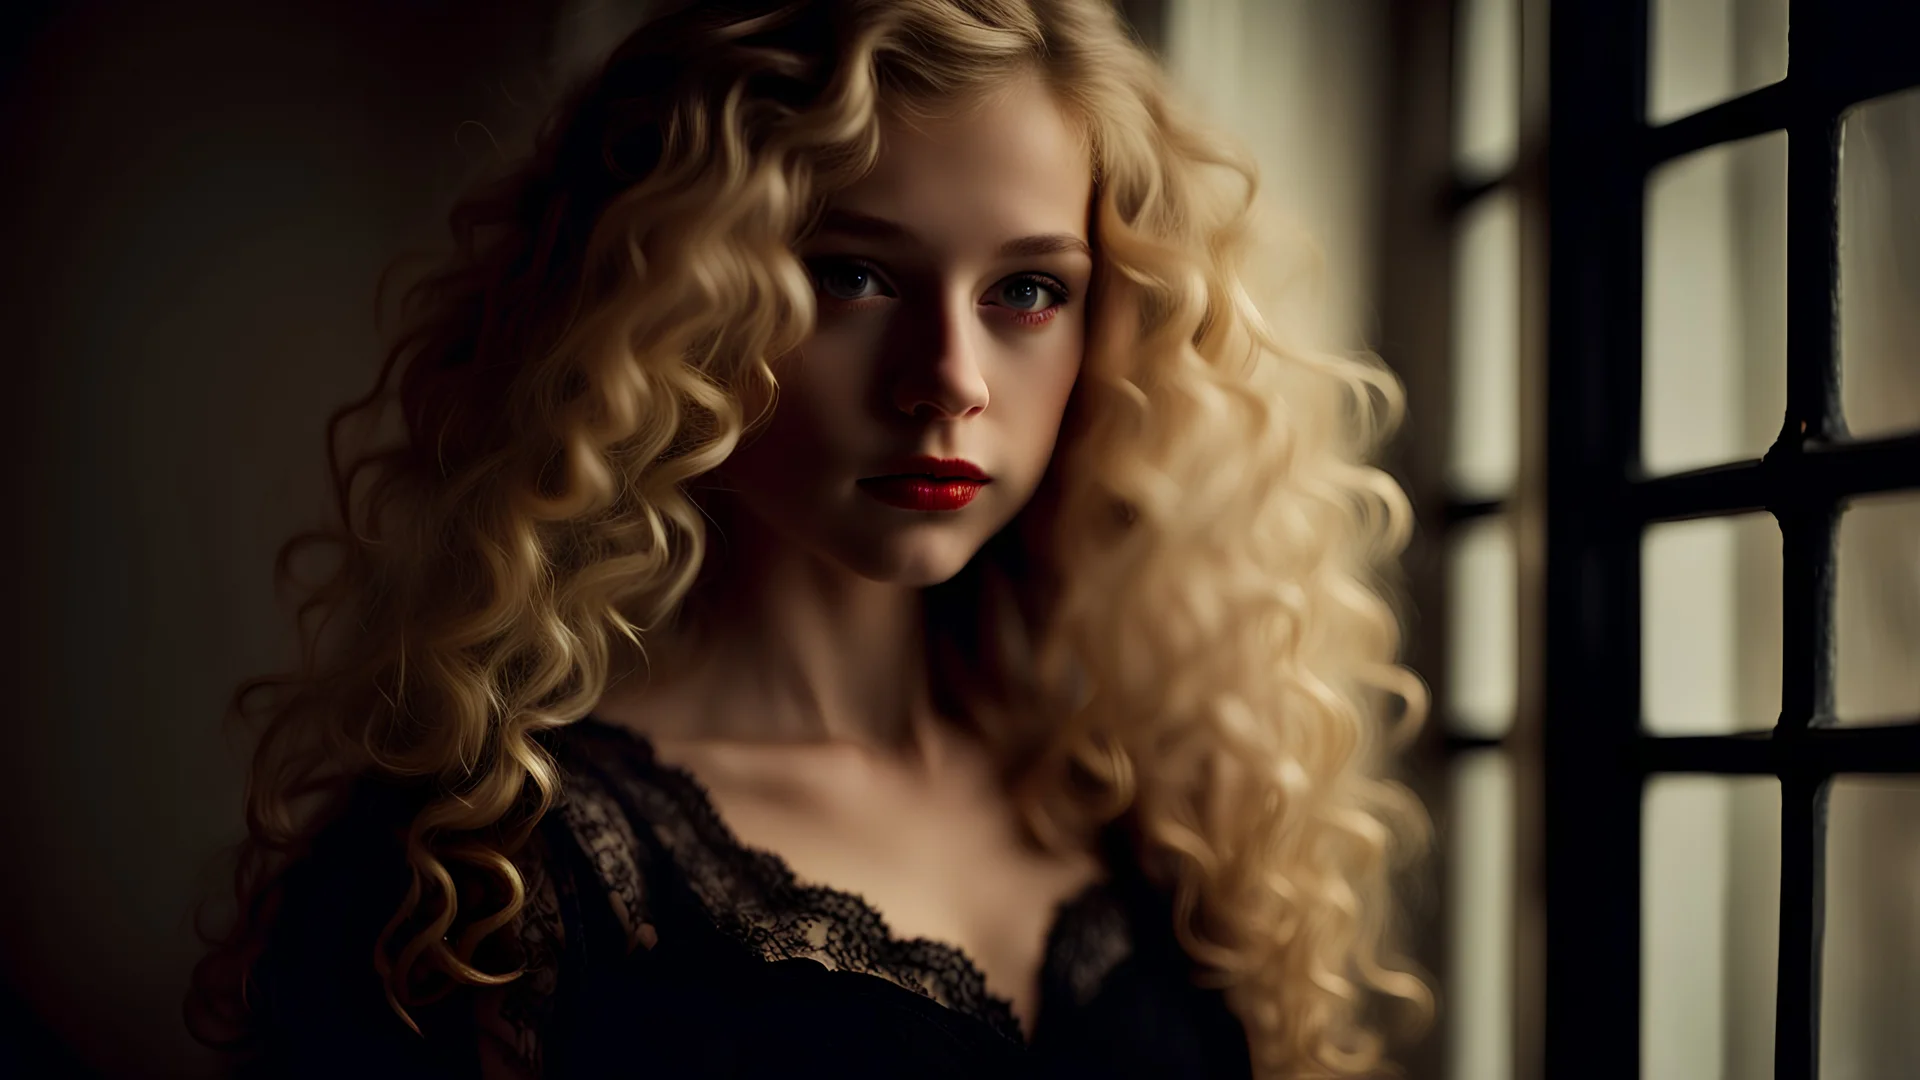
[951, 286]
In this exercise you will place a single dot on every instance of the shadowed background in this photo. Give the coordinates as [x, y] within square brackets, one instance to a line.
[203, 196]
[199, 198]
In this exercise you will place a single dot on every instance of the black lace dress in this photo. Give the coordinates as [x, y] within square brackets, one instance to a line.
[656, 945]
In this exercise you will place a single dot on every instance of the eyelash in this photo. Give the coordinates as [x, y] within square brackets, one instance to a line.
[818, 267]
[1044, 281]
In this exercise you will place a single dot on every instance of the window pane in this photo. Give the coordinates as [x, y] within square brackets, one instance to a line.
[1877, 611]
[1710, 609]
[1880, 264]
[1480, 890]
[1870, 956]
[1710, 927]
[1486, 348]
[1715, 367]
[1706, 51]
[1482, 629]
[1486, 86]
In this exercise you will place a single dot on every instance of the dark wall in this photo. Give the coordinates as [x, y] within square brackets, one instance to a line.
[197, 200]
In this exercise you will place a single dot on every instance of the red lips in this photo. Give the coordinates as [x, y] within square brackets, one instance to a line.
[928, 484]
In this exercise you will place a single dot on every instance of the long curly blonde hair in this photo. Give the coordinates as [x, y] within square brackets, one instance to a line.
[1187, 630]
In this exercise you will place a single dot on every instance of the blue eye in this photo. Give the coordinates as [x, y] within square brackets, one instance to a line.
[846, 280]
[1028, 294]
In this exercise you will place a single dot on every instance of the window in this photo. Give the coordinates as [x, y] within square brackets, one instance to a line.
[1666, 452]
[1461, 298]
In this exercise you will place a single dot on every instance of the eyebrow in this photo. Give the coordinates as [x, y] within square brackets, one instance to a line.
[854, 223]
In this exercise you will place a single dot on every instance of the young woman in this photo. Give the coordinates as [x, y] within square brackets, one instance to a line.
[855, 590]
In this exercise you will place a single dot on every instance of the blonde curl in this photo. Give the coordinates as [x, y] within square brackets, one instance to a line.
[1188, 630]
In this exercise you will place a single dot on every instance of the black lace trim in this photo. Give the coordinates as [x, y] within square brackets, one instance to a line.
[599, 827]
[526, 1005]
[755, 898]
[606, 837]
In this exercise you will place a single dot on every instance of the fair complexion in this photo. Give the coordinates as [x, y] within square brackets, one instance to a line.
[952, 286]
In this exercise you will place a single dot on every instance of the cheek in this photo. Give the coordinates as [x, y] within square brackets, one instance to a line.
[1037, 401]
[1059, 370]
[831, 374]
[815, 408]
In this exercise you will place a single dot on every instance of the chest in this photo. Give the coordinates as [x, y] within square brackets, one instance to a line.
[939, 858]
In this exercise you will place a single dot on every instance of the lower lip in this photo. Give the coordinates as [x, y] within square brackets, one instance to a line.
[922, 493]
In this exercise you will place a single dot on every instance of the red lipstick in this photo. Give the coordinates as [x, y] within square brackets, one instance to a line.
[928, 484]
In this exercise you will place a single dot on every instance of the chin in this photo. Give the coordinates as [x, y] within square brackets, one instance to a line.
[917, 562]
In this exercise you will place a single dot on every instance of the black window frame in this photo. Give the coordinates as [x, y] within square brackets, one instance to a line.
[1596, 754]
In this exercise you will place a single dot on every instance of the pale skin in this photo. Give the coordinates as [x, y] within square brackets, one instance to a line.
[952, 284]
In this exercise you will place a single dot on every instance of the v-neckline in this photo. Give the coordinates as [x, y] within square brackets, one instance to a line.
[993, 1009]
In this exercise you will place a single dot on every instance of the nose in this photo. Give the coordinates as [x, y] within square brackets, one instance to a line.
[940, 375]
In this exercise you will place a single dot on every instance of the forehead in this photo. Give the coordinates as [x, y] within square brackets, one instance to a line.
[1010, 162]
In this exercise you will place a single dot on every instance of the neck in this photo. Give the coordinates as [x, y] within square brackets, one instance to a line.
[780, 645]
